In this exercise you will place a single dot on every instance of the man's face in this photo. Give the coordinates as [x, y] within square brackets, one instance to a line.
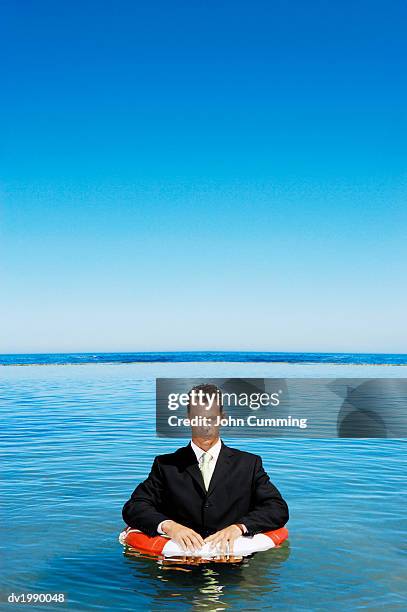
[210, 431]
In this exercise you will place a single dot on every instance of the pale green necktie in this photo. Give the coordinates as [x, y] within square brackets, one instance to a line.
[205, 469]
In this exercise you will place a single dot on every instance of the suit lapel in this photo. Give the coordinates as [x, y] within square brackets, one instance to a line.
[192, 467]
[220, 472]
[221, 469]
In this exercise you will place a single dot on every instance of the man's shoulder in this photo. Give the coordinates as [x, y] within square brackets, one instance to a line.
[243, 455]
[174, 457]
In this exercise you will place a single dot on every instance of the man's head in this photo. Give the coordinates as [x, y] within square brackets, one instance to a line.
[205, 401]
[205, 397]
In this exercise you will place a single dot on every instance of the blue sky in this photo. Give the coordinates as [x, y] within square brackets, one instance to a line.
[203, 175]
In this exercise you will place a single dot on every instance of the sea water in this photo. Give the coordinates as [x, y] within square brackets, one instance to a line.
[77, 439]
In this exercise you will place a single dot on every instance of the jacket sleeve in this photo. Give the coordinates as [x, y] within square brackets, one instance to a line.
[143, 510]
[268, 509]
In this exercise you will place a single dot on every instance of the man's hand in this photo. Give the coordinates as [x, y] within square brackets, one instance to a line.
[187, 538]
[226, 537]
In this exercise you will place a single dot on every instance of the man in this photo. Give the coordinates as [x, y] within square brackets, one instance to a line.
[206, 491]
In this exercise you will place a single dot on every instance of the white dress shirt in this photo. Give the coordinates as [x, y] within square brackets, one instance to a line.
[213, 452]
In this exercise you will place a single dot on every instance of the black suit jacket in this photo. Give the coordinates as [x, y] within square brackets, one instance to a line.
[240, 491]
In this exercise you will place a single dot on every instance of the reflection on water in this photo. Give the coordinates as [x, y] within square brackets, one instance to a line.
[204, 587]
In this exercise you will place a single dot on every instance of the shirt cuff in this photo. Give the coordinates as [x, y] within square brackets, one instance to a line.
[160, 528]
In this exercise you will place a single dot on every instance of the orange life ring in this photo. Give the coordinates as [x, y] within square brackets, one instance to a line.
[160, 546]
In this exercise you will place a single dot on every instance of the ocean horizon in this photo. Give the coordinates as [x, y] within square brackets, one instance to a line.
[25, 359]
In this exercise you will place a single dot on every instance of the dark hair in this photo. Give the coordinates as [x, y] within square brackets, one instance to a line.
[209, 390]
